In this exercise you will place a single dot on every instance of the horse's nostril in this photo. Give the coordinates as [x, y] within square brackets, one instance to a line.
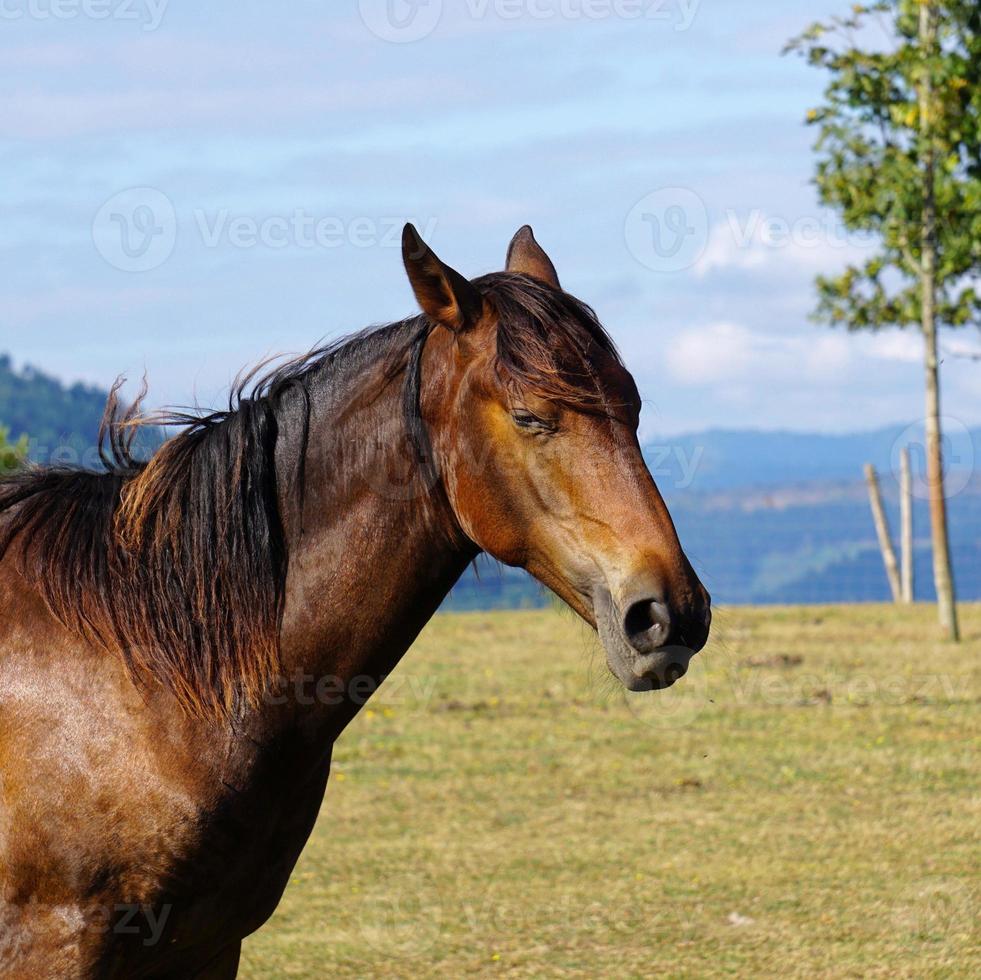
[647, 624]
[639, 617]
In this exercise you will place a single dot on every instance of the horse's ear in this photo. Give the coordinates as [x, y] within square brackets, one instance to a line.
[527, 257]
[443, 294]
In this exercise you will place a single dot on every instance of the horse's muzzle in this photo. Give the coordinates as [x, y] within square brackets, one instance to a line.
[649, 645]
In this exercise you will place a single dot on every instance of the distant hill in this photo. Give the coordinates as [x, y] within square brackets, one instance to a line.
[61, 422]
[735, 459]
[817, 544]
[52, 415]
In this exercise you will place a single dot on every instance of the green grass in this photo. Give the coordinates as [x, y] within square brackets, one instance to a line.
[805, 803]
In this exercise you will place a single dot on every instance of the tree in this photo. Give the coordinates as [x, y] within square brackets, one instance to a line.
[899, 156]
[11, 455]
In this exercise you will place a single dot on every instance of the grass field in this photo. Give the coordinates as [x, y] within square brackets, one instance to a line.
[805, 803]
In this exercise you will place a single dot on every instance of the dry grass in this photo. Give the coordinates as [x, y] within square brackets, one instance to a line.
[805, 803]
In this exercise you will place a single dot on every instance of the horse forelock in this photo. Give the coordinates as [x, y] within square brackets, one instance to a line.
[548, 342]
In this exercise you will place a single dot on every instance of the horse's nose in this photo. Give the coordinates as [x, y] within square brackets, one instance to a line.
[650, 624]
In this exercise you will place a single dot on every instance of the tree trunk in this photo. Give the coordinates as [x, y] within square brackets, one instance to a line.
[942, 575]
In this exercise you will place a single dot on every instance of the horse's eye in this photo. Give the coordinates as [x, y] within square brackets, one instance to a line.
[524, 419]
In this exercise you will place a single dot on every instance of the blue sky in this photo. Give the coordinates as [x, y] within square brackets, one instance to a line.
[190, 187]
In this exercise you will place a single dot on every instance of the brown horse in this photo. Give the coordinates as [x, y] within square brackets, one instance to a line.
[183, 640]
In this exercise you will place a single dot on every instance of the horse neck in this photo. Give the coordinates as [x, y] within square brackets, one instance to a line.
[374, 548]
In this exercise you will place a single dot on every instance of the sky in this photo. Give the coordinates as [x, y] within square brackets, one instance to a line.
[189, 188]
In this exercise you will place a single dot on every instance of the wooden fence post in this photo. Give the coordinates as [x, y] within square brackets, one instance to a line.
[882, 529]
[906, 521]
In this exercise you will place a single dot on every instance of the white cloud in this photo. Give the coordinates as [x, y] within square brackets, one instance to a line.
[718, 352]
[729, 353]
[971, 351]
[904, 346]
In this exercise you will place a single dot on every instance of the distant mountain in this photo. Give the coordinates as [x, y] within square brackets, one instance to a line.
[61, 422]
[57, 418]
[735, 459]
[817, 543]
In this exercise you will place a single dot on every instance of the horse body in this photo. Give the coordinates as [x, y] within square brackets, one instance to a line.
[145, 832]
[143, 842]
[166, 839]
